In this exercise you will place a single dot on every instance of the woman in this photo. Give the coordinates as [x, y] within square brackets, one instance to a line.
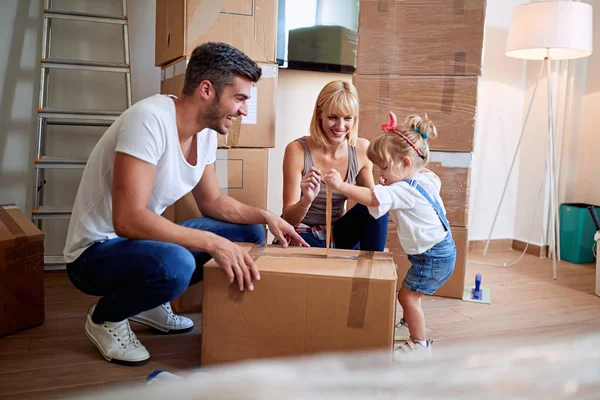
[333, 144]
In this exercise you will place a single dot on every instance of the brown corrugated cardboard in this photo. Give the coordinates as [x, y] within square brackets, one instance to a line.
[454, 171]
[306, 302]
[454, 286]
[257, 130]
[249, 25]
[420, 37]
[21, 271]
[242, 174]
[450, 102]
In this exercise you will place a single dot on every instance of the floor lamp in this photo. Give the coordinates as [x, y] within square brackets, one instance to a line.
[548, 30]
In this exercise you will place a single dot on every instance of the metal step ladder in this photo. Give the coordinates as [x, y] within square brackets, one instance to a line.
[51, 116]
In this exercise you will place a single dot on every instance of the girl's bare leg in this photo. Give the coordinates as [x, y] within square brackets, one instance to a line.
[413, 313]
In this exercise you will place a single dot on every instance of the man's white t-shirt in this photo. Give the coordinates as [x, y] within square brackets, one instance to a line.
[418, 225]
[147, 131]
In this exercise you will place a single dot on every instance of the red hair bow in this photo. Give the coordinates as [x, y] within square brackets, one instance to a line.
[391, 127]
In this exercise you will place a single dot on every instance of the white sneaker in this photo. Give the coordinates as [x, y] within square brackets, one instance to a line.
[412, 350]
[116, 341]
[163, 319]
[401, 331]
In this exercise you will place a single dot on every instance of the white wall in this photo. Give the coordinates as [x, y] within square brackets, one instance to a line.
[499, 115]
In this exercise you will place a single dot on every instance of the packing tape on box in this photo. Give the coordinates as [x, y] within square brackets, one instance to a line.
[448, 94]
[233, 136]
[458, 7]
[460, 65]
[256, 251]
[384, 5]
[205, 15]
[360, 290]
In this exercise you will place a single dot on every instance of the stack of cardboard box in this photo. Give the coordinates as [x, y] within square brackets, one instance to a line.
[242, 158]
[424, 56]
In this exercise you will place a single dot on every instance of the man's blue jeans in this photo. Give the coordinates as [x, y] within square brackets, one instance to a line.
[137, 275]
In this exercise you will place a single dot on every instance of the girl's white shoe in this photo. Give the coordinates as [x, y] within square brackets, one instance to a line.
[413, 350]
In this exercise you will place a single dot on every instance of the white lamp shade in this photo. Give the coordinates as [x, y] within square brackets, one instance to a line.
[560, 30]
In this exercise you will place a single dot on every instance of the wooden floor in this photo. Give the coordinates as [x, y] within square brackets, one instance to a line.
[57, 359]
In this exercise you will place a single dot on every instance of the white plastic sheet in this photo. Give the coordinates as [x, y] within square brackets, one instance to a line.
[551, 368]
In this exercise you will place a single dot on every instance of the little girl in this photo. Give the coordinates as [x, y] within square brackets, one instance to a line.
[411, 194]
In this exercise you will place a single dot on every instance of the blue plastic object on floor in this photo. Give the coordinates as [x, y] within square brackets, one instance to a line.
[476, 293]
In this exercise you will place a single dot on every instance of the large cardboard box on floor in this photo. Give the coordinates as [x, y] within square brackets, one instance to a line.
[249, 25]
[455, 285]
[242, 174]
[255, 130]
[305, 302]
[21, 271]
[454, 170]
[420, 37]
[449, 101]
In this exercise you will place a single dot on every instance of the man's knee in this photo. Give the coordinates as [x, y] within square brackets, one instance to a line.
[176, 268]
[254, 233]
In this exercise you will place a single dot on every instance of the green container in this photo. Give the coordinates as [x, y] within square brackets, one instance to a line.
[577, 233]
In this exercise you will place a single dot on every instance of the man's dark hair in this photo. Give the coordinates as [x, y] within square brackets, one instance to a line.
[218, 63]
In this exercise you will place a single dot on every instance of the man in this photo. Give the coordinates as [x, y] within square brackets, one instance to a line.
[118, 244]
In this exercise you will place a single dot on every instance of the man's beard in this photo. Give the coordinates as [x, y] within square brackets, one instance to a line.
[213, 117]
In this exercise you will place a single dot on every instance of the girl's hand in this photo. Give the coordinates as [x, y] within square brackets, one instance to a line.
[311, 184]
[333, 179]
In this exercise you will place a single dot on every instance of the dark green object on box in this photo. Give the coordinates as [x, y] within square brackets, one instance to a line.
[577, 233]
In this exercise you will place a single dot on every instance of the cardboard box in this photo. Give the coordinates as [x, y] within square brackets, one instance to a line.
[242, 174]
[455, 285]
[449, 101]
[249, 25]
[21, 271]
[255, 130]
[454, 170]
[305, 303]
[420, 37]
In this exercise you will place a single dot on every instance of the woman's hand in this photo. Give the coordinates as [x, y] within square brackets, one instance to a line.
[311, 184]
[333, 179]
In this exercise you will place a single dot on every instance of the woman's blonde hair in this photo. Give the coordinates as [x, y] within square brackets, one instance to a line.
[385, 150]
[337, 97]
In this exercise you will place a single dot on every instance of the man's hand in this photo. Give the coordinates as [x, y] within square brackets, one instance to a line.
[280, 228]
[236, 262]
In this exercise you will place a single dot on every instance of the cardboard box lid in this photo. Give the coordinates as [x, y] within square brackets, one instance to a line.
[314, 262]
[15, 226]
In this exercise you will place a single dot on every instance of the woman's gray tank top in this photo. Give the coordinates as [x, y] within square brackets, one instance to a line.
[317, 212]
